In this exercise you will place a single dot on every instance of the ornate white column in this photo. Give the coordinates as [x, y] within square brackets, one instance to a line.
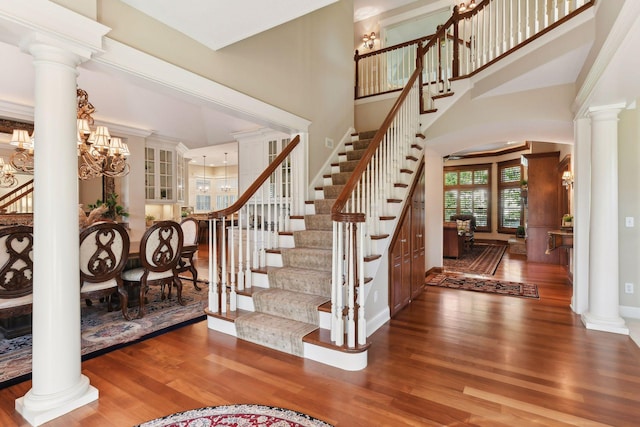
[603, 313]
[58, 385]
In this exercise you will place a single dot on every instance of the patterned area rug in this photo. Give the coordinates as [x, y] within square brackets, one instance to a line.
[482, 259]
[103, 331]
[502, 287]
[237, 416]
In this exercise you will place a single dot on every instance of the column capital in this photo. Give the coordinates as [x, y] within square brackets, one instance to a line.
[46, 22]
[606, 111]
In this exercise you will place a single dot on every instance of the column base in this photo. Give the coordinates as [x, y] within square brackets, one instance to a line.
[37, 410]
[614, 325]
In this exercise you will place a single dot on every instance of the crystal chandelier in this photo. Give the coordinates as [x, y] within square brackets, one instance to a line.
[100, 154]
[7, 175]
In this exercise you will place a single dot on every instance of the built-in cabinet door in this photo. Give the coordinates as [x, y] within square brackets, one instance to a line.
[401, 268]
[417, 238]
[407, 251]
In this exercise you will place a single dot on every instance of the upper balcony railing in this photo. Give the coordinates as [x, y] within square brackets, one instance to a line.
[471, 41]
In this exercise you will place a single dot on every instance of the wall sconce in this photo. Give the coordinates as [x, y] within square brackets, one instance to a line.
[567, 179]
[464, 7]
[368, 40]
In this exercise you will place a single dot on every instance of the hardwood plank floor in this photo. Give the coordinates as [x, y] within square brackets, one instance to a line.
[452, 358]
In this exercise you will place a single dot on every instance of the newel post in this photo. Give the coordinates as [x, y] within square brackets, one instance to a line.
[455, 68]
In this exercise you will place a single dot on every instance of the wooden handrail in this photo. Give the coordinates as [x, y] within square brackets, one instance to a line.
[271, 168]
[341, 201]
[14, 192]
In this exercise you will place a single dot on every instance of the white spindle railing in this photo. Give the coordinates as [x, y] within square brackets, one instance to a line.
[482, 34]
[19, 200]
[357, 211]
[241, 235]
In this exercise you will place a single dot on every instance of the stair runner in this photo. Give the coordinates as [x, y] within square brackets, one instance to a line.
[288, 310]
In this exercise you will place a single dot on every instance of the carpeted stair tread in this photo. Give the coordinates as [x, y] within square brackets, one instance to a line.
[313, 258]
[368, 134]
[361, 144]
[323, 206]
[274, 332]
[290, 305]
[318, 222]
[355, 154]
[316, 282]
[332, 191]
[313, 238]
[340, 178]
[348, 166]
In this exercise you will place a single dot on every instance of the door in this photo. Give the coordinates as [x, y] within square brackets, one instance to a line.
[400, 255]
[417, 237]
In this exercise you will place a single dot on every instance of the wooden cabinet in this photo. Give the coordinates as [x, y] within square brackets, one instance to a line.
[407, 252]
[543, 213]
[452, 242]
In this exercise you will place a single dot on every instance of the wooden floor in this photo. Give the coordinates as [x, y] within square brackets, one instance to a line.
[452, 358]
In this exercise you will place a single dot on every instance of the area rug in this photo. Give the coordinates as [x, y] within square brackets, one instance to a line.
[481, 259]
[501, 287]
[103, 331]
[237, 416]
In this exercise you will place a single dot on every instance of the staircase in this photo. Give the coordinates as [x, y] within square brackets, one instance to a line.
[306, 295]
[287, 307]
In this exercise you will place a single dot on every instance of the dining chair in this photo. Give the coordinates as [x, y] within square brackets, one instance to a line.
[190, 228]
[16, 271]
[104, 247]
[159, 255]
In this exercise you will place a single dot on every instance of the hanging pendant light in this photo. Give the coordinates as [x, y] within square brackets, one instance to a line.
[204, 188]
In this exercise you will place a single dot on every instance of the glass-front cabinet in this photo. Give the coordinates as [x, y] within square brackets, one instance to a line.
[164, 172]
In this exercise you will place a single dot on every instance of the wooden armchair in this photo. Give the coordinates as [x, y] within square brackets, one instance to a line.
[16, 271]
[104, 248]
[190, 228]
[464, 230]
[160, 249]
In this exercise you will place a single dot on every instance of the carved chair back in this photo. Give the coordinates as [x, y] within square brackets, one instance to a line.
[16, 270]
[104, 248]
[160, 246]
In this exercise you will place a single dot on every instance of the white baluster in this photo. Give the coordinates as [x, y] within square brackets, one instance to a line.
[339, 321]
[232, 266]
[240, 263]
[247, 274]
[351, 324]
[362, 322]
[223, 264]
[214, 297]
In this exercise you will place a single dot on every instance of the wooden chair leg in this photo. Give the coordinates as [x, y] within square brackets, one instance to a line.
[178, 284]
[124, 302]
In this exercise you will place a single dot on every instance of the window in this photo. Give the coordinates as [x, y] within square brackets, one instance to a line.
[203, 203]
[510, 209]
[467, 190]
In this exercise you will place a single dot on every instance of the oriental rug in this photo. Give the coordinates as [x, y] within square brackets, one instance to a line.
[500, 287]
[483, 258]
[237, 416]
[104, 331]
